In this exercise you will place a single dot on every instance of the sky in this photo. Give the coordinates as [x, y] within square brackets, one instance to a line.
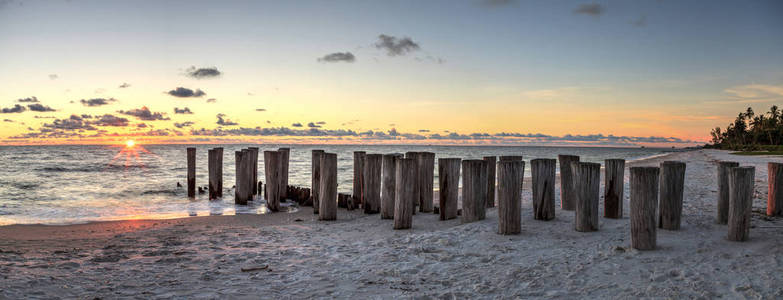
[504, 72]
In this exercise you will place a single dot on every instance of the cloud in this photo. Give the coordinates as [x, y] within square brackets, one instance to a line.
[338, 57]
[97, 101]
[260, 109]
[28, 100]
[45, 117]
[183, 124]
[497, 2]
[39, 107]
[592, 9]
[640, 22]
[313, 125]
[111, 120]
[124, 85]
[320, 122]
[296, 125]
[72, 123]
[211, 100]
[144, 113]
[201, 73]
[184, 111]
[424, 130]
[15, 109]
[223, 121]
[53, 76]
[750, 93]
[396, 46]
[8, 120]
[182, 92]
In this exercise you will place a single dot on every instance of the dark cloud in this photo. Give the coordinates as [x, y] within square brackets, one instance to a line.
[296, 125]
[396, 46]
[15, 109]
[223, 121]
[201, 73]
[39, 107]
[591, 9]
[338, 57]
[72, 123]
[28, 100]
[211, 100]
[145, 114]
[45, 117]
[184, 111]
[97, 101]
[183, 124]
[186, 93]
[260, 109]
[110, 120]
[424, 130]
[124, 85]
[640, 22]
[53, 76]
[141, 125]
[8, 120]
[313, 125]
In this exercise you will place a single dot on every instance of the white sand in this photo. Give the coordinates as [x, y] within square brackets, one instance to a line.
[361, 256]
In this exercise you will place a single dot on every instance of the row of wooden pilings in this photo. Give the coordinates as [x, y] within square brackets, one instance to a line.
[396, 185]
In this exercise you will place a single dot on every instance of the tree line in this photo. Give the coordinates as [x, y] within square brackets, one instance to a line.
[751, 131]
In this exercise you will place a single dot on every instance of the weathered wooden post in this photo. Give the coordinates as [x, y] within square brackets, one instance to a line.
[405, 176]
[644, 199]
[775, 190]
[510, 196]
[417, 188]
[327, 210]
[358, 175]
[740, 202]
[191, 172]
[247, 171]
[474, 190]
[510, 157]
[315, 186]
[219, 170]
[388, 185]
[567, 197]
[426, 164]
[240, 193]
[672, 185]
[372, 183]
[448, 184]
[272, 171]
[614, 181]
[284, 162]
[491, 170]
[587, 184]
[543, 172]
[212, 172]
[723, 190]
[254, 180]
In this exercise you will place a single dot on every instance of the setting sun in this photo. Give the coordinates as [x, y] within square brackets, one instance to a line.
[130, 143]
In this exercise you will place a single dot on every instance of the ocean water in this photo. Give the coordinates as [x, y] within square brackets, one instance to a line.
[77, 184]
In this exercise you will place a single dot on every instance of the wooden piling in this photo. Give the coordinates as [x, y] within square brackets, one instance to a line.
[448, 185]
[240, 191]
[491, 172]
[212, 172]
[723, 190]
[644, 200]
[567, 197]
[741, 190]
[543, 172]
[254, 179]
[426, 165]
[417, 189]
[191, 172]
[219, 170]
[775, 190]
[671, 191]
[586, 177]
[315, 180]
[510, 157]
[327, 210]
[614, 181]
[405, 177]
[510, 196]
[388, 185]
[474, 190]
[358, 175]
[284, 162]
[373, 163]
[273, 167]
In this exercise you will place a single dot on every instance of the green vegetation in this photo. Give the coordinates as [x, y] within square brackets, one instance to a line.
[752, 134]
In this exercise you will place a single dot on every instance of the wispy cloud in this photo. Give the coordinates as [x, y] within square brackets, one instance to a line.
[640, 22]
[338, 57]
[754, 93]
[40, 107]
[202, 73]
[592, 9]
[28, 100]
[223, 121]
[124, 85]
[97, 101]
[145, 114]
[395, 46]
[53, 76]
[182, 92]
